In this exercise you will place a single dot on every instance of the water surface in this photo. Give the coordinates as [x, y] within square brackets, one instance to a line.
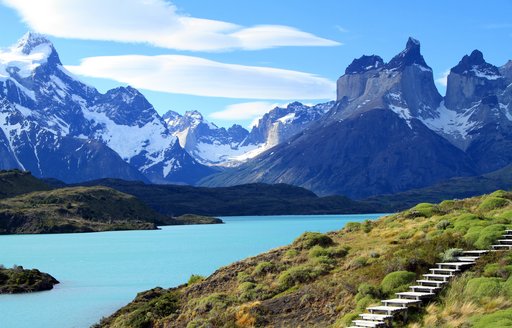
[100, 272]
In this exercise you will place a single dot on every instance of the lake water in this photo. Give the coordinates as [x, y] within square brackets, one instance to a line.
[100, 272]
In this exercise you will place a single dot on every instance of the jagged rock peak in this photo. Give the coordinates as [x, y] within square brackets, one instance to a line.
[30, 41]
[194, 114]
[475, 64]
[363, 64]
[409, 56]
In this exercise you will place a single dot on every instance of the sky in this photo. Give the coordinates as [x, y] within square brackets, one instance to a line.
[233, 60]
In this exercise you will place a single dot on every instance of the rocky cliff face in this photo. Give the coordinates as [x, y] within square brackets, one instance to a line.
[391, 130]
[404, 85]
[56, 126]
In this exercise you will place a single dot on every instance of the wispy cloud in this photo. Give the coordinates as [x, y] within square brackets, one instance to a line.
[253, 111]
[154, 22]
[443, 79]
[202, 77]
[244, 111]
[341, 29]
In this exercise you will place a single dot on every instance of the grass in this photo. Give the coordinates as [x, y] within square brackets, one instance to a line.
[77, 209]
[325, 280]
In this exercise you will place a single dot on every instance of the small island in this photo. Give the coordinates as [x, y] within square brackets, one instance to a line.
[197, 219]
[19, 280]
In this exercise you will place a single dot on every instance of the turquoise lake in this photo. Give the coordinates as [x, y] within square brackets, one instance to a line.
[100, 272]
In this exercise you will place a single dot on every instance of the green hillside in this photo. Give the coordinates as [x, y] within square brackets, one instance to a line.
[324, 280]
[77, 209]
[15, 182]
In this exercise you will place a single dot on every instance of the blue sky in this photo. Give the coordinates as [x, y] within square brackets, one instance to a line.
[233, 59]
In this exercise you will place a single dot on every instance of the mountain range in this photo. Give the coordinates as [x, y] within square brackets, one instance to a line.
[388, 131]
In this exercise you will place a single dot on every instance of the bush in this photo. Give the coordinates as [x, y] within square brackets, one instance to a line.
[366, 289]
[359, 262]
[330, 252]
[491, 203]
[296, 275]
[264, 268]
[451, 254]
[498, 319]
[310, 239]
[425, 210]
[352, 226]
[478, 288]
[397, 281]
[250, 291]
[443, 225]
[488, 235]
[218, 301]
[195, 278]
[159, 307]
[507, 287]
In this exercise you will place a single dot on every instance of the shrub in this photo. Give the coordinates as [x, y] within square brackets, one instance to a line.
[310, 239]
[397, 281]
[296, 275]
[477, 288]
[195, 278]
[217, 301]
[359, 262]
[250, 291]
[263, 268]
[366, 289]
[291, 253]
[498, 319]
[488, 235]
[507, 287]
[352, 226]
[330, 252]
[244, 277]
[159, 307]
[367, 226]
[451, 254]
[425, 210]
[491, 203]
[443, 225]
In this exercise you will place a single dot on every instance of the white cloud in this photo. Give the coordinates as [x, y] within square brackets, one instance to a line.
[253, 111]
[155, 22]
[443, 80]
[202, 77]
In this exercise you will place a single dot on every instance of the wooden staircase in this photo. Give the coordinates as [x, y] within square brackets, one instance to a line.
[425, 288]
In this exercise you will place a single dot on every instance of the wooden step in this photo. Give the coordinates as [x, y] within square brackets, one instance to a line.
[467, 258]
[430, 289]
[475, 251]
[505, 241]
[456, 265]
[389, 310]
[501, 247]
[375, 317]
[451, 272]
[507, 236]
[437, 283]
[400, 302]
[368, 323]
[414, 295]
[443, 277]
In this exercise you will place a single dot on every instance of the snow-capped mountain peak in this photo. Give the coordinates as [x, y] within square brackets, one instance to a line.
[52, 124]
